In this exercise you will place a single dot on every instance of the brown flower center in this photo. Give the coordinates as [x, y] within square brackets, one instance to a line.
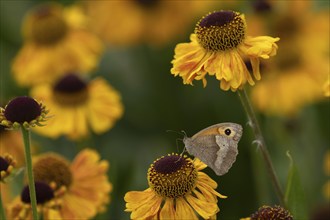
[172, 176]
[44, 193]
[220, 31]
[3, 164]
[271, 213]
[70, 91]
[45, 25]
[52, 168]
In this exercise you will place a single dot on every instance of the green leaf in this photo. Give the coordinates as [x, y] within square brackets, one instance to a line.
[294, 194]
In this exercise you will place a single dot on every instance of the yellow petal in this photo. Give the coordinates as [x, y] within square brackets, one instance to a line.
[184, 211]
[203, 208]
[168, 211]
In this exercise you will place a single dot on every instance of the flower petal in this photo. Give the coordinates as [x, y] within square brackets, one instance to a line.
[183, 210]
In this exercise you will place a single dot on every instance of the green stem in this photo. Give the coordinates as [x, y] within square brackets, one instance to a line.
[261, 143]
[2, 210]
[28, 160]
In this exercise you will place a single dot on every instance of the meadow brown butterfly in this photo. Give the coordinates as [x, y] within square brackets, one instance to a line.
[216, 146]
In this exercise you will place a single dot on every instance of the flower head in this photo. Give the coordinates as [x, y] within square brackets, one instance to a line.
[177, 189]
[48, 202]
[23, 111]
[79, 106]
[55, 41]
[218, 47]
[84, 180]
[270, 213]
[7, 164]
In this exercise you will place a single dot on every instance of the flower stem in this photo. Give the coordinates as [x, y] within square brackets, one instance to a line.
[261, 142]
[2, 210]
[28, 160]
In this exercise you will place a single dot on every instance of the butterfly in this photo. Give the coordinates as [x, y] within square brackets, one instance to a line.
[216, 146]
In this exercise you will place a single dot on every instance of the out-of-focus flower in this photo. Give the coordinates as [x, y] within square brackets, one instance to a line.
[177, 190]
[55, 41]
[23, 111]
[83, 184]
[139, 21]
[79, 106]
[48, 203]
[218, 47]
[286, 93]
[270, 213]
[7, 164]
[299, 74]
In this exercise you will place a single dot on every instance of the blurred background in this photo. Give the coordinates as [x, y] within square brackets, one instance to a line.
[290, 100]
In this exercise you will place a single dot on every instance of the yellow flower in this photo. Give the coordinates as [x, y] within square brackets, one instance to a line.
[218, 47]
[293, 75]
[55, 42]
[177, 190]
[83, 185]
[78, 106]
[139, 21]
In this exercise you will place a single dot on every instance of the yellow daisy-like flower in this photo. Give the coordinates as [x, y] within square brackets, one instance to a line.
[218, 47]
[293, 76]
[83, 183]
[177, 190]
[48, 202]
[56, 41]
[139, 21]
[79, 106]
[23, 111]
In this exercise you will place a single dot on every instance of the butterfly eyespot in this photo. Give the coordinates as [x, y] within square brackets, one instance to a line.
[227, 131]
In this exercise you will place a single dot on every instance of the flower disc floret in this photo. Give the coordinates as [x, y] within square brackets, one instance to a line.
[172, 176]
[220, 31]
[52, 167]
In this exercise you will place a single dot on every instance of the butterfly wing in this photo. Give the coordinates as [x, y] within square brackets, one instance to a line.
[203, 147]
[226, 154]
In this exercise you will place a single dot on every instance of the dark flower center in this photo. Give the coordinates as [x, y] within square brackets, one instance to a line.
[22, 109]
[172, 176]
[220, 31]
[261, 6]
[219, 19]
[44, 193]
[169, 164]
[3, 164]
[271, 213]
[47, 25]
[147, 3]
[70, 90]
[52, 168]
